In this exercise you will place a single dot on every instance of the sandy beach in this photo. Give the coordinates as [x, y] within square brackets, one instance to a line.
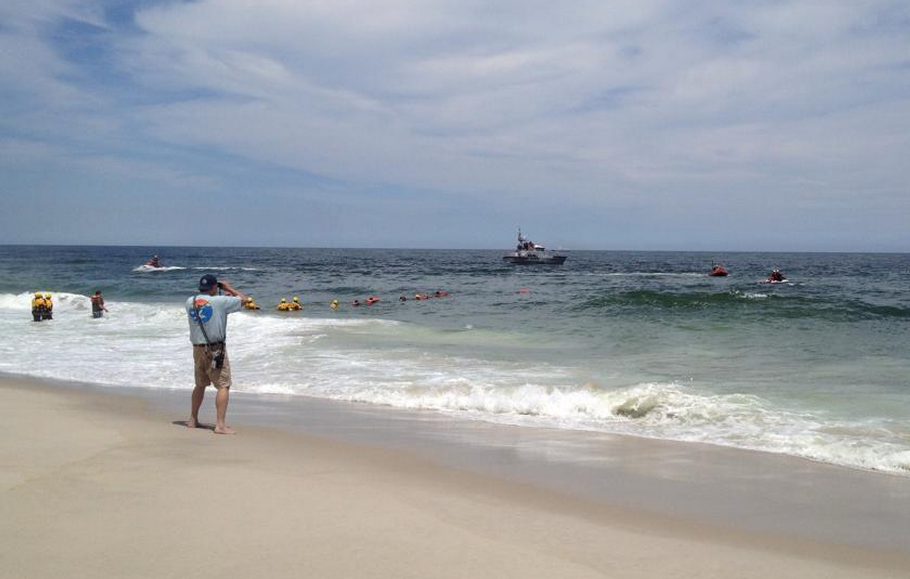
[102, 485]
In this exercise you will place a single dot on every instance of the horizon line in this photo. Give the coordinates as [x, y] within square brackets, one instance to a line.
[820, 251]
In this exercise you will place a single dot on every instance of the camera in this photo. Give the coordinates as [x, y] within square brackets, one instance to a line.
[218, 359]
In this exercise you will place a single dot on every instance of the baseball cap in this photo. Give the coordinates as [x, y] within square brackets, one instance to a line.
[207, 282]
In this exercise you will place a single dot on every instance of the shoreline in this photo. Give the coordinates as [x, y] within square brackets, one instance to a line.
[120, 448]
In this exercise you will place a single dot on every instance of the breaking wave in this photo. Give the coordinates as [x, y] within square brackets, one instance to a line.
[660, 410]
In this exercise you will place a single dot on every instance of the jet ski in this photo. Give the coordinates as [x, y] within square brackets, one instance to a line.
[153, 265]
[775, 277]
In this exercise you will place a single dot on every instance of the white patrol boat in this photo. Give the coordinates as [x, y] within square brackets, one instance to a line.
[529, 253]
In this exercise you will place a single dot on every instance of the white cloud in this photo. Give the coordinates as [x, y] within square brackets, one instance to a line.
[397, 69]
[598, 102]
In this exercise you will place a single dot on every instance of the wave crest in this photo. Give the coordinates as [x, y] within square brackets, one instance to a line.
[780, 305]
[62, 301]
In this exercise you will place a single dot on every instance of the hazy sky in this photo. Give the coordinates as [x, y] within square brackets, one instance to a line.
[639, 124]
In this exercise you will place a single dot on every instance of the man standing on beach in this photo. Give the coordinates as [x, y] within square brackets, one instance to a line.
[207, 314]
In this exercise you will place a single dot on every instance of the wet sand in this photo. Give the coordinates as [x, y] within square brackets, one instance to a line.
[95, 484]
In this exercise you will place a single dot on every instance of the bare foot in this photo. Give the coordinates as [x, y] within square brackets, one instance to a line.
[192, 423]
[224, 430]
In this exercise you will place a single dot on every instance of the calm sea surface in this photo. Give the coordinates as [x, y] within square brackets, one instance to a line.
[640, 343]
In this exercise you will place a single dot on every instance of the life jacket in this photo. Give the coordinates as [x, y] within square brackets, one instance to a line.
[48, 304]
[38, 304]
[283, 307]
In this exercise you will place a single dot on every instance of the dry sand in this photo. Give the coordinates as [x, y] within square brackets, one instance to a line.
[95, 485]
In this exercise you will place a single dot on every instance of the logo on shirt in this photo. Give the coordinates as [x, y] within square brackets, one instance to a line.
[204, 310]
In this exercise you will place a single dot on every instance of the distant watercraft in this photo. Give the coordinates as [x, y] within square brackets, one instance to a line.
[775, 277]
[529, 253]
[718, 271]
[150, 269]
[153, 265]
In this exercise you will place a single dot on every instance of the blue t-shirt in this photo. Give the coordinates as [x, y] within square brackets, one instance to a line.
[213, 311]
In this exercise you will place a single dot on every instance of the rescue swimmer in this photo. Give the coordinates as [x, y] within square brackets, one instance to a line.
[38, 307]
[48, 307]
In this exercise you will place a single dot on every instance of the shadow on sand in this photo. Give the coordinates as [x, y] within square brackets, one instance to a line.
[200, 425]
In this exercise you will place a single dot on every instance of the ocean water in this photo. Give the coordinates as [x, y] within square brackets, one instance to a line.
[638, 343]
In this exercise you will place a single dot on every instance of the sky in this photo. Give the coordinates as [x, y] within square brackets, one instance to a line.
[601, 124]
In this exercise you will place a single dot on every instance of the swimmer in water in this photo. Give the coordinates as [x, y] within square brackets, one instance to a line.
[48, 308]
[37, 307]
[98, 309]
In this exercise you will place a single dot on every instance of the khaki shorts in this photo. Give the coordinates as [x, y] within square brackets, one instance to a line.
[206, 373]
